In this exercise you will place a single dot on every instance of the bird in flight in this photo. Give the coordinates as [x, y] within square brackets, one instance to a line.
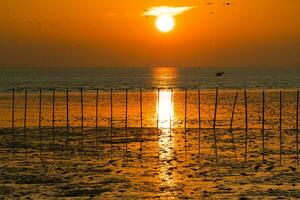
[219, 74]
[227, 4]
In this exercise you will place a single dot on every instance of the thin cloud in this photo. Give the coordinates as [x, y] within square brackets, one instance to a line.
[166, 10]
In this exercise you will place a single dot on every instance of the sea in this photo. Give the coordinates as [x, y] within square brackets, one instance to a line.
[149, 78]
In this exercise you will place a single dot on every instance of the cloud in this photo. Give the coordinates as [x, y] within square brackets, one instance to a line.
[166, 10]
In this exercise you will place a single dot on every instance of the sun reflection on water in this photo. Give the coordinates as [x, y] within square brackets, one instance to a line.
[165, 109]
[166, 143]
[164, 77]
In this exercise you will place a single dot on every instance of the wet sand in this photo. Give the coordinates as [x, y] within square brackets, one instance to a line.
[168, 165]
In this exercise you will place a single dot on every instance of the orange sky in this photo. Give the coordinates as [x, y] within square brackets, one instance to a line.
[98, 33]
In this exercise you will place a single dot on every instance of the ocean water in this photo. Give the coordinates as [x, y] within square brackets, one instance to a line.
[173, 112]
[133, 78]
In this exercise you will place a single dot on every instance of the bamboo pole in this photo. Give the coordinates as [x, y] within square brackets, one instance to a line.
[263, 125]
[280, 127]
[246, 127]
[111, 122]
[126, 122]
[97, 105]
[157, 122]
[40, 123]
[53, 121]
[13, 122]
[25, 125]
[214, 126]
[67, 98]
[185, 123]
[157, 114]
[82, 122]
[141, 120]
[199, 125]
[297, 128]
[231, 125]
[171, 106]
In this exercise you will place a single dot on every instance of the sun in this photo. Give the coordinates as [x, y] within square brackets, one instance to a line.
[165, 23]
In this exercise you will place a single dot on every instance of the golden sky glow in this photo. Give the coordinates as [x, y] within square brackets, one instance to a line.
[116, 33]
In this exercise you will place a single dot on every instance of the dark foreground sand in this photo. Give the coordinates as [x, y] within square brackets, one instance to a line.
[174, 172]
[168, 165]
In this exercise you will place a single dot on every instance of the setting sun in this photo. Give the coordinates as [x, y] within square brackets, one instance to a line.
[165, 23]
[165, 16]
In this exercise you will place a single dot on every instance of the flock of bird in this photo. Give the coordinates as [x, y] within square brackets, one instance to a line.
[210, 3]
[224, 4]
[51, 27]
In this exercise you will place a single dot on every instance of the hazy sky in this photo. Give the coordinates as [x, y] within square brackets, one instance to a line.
[100, 33]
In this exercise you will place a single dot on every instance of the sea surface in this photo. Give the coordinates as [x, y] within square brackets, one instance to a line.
[169, 103]
[134, 78]
[155, 143]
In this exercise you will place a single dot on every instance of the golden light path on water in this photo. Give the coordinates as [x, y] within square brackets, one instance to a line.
[166, 143]
[165, 109]
[164, 78]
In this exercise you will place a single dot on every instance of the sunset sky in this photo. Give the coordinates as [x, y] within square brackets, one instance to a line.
[116, 33]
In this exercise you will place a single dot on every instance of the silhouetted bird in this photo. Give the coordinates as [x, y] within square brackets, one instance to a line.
[219, 73]
[146, 10]
[227, 3]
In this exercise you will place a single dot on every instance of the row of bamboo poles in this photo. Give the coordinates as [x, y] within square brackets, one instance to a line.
[157, 123]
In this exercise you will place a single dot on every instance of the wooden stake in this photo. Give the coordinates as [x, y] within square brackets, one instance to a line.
[13, 122]
[157, 122]
[214, 126]
[231, 125]
[263, 125]
[157, 114]
[40, 123]
[126, 121]
[82, 123]
[111, 122]
[67, 97]
[141, 120]
[97, 144]
[25, 125]
[199, 125]
[246, 127]
[297, 128]
[53, 121]
[171, 106]
[185, 122]
[280, 127]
